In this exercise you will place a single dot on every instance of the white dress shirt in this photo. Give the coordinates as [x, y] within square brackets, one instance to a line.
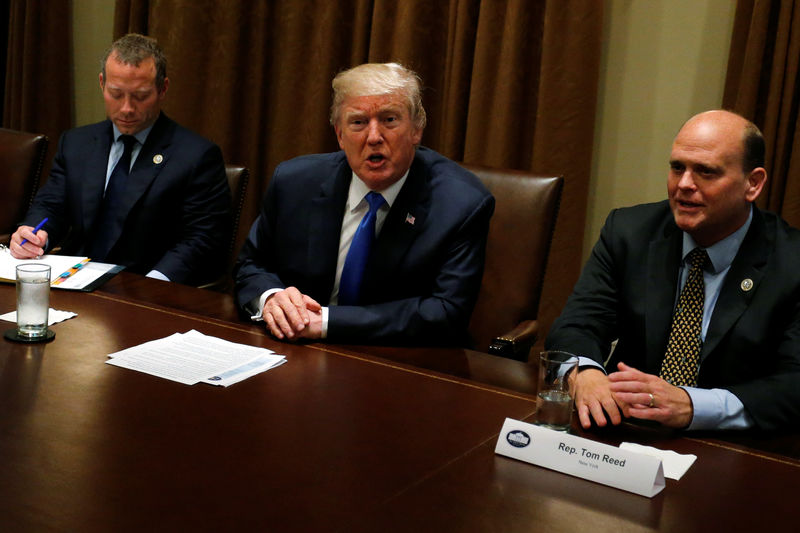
[354, 210]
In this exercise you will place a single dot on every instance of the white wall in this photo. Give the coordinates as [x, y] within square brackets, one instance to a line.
[663, 61]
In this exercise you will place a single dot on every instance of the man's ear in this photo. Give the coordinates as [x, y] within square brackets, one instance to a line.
[163, 92]
[755, 183]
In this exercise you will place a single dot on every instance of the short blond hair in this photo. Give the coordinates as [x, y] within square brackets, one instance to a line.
[371, 79]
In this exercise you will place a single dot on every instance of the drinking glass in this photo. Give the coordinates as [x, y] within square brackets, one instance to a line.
[555, 392]
[33, 299]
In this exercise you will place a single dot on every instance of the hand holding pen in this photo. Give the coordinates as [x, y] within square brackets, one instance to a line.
[28, 242]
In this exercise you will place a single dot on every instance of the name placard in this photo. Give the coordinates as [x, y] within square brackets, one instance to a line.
[576, 456]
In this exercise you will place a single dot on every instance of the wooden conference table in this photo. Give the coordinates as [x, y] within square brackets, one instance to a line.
[338, 439]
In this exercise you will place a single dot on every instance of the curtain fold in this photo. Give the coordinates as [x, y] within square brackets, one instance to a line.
[762, 84]
[509, 84]
[38, 95]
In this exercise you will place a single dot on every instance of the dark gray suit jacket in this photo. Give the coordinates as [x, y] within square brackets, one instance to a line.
[627, 291]
[425, 270]
[176, 213]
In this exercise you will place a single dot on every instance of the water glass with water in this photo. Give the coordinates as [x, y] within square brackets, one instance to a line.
[555, 393]
[33, 299]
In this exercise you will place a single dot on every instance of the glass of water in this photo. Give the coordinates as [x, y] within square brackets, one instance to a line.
[33, 299]
[555, 393]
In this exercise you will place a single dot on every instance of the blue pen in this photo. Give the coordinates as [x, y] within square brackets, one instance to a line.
[37, 228]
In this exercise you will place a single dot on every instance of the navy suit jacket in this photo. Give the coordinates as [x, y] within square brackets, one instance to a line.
[176, 211]
[425, 270]
[628, 288]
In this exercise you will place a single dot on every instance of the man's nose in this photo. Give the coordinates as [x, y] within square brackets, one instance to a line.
[127, 105]
[374, 134]
[686, 180]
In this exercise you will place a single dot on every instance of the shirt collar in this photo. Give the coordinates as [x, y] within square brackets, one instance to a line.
[140, 137]
[358, 190]
[723, 252]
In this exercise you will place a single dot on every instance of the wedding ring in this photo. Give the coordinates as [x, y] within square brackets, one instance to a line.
[652, 400]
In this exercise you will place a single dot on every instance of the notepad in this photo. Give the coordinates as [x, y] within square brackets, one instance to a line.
[66, 271]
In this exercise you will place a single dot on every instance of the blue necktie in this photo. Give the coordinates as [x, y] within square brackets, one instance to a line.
[101, 244]
[358, 254]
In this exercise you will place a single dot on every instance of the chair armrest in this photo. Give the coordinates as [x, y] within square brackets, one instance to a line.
[517, 343]
[223, 284]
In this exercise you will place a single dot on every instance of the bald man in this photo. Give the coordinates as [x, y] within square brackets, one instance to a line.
[637, 287]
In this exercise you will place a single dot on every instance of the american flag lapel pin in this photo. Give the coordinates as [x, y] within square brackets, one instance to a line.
[410, 219]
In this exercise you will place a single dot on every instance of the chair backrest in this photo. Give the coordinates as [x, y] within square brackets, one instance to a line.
[237, 181]
[520, 233]
[21, 159]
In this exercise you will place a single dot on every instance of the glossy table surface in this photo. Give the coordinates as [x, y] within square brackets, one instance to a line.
[341, 438]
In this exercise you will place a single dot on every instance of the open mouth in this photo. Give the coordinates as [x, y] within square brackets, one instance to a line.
[376, 158]
[688, 205]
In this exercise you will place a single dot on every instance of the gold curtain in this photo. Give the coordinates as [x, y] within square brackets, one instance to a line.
[507, 83]
[38, 78]
[762, 84]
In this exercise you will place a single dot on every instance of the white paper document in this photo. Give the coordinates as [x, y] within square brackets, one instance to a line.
[262, 364]
[192, 357]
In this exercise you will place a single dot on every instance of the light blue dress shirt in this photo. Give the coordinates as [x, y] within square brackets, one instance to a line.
[117, 147]
[713, 408]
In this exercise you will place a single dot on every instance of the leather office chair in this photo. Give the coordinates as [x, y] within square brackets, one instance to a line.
[21, 159]
[504, 321]
[237, 181]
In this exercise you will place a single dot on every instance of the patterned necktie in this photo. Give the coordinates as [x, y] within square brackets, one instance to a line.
[685, 342]
[112, 199]
[357, 255]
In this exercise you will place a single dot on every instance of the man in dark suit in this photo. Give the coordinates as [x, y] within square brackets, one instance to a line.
[137, 189]
[418, 280]
[746, 371]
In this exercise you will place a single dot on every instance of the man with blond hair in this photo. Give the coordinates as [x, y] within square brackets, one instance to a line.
[382, 242]
[701, 293]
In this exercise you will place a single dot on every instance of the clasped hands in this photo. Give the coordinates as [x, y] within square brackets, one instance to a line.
[632, 394]
[31, 249]
[292, 315]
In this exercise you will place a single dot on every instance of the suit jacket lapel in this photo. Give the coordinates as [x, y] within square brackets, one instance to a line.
[94, 182]
[325, 227]
[733, 299]
[663, 261]
[403, 224]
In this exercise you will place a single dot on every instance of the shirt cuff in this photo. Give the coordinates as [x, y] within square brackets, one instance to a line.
[258, 316]
[717, 409]
[589, 362]
[157, 275]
